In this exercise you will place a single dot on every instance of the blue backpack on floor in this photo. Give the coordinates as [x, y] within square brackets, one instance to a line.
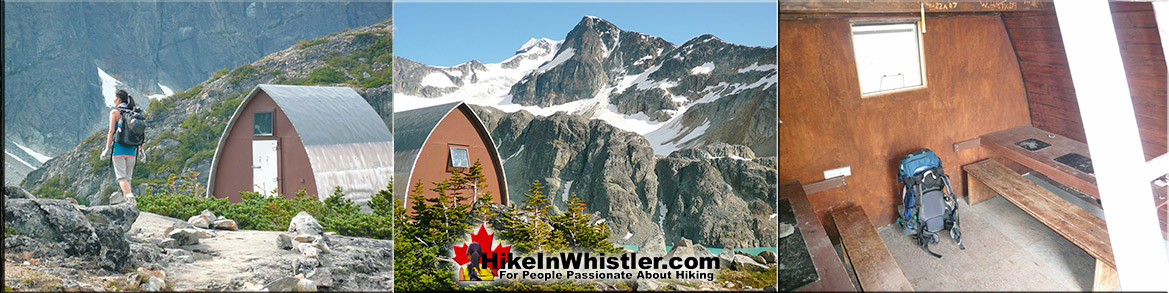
[928, 202]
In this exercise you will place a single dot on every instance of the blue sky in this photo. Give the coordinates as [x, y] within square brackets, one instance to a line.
[446, 34]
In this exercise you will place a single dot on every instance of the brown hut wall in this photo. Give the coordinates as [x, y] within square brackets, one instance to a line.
[455, 129]
[234, 172]
[974, 87]
[1047, 79]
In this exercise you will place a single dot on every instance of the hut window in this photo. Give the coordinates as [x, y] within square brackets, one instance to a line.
[459, 158]
[888, 56]
[262, 124]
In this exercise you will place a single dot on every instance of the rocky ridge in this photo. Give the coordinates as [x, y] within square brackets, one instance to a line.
[97, 247]
[720, 195]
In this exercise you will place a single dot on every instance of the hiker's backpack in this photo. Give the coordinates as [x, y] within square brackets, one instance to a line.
[928, 202]
[133, 130]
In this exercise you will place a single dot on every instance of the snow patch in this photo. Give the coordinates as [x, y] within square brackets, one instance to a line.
[772, 217]
[667, 139]
[732, 189]
[628, 235]
[438, 80]
[36, 155]
[662, 211]
[643, 59]
[26, 163]
[705, 68]
[166, 90]
[757, 67]
[567, 187]
[512, 155]
[108, 87]
[560, 58]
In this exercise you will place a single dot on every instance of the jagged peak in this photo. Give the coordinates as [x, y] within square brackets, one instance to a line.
[532, 43]
[589, 21]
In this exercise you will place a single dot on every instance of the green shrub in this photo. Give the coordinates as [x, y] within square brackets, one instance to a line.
[57, 187]
[183, 198]
[241, 73]
[220, 73]
[326, 75]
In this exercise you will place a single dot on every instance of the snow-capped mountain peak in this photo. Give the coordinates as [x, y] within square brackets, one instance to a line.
[674, 96]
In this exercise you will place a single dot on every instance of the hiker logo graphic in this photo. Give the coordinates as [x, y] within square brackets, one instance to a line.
[480, 259]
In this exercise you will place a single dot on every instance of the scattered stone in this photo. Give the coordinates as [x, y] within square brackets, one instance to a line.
[726, 259]
[207, 233]
[768, 256]
[323, 277]
[305, 285]
[199, 221]
[304, 223]
[284, 241]
[209, 215]
[168, 243]
[116, 198]
[744, 263]
[304, 238]
[153, 284]
[319, 243]
[185, 236]
[225, 224]
[284, 284]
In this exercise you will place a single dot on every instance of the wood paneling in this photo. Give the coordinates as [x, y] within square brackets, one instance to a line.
[1050, 92]
[831, 6]
[974, 87]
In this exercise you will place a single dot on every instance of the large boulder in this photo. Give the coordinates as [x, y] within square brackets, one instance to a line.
[185, 236]
[14, 192]
[59, 227]
[304, 223]
[653, 246]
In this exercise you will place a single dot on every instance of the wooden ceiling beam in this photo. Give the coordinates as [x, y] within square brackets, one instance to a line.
[829, 6]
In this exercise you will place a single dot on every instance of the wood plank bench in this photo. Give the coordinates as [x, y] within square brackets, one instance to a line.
[987, 178]
[833, 276]
[874, 266]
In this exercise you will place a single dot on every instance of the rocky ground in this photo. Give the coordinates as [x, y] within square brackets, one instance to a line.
[57, 245]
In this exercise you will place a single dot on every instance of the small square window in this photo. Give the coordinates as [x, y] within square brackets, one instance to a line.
[459, 158]
[262, 124]
[888, 56]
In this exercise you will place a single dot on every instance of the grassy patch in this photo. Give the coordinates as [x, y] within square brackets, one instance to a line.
[56, 188]
[748, 278]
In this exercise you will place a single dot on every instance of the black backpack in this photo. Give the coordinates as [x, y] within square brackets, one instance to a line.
[133, 130]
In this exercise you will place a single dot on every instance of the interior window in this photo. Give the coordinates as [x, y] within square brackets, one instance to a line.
[262, 124]
[888, 56]
[459, 158]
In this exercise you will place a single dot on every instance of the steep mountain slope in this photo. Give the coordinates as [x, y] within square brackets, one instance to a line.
[598, 113]
[718, 195]
[704, 91]
[62, 60]
[185, 127]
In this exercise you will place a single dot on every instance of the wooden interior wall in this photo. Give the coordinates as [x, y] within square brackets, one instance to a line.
[1050, 95]
[974, 88]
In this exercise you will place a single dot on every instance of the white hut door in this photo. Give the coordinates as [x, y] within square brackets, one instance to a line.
[264, 166]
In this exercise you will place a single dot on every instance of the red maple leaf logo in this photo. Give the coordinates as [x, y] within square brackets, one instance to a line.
[484, 239]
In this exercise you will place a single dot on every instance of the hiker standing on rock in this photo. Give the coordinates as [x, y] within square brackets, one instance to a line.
[123, 155]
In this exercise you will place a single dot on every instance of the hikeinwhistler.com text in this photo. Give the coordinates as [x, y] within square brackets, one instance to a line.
[589, 266]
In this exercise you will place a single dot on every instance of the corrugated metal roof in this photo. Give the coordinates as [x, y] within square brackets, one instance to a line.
[347, 142]
[411, 129]
[329, 115]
